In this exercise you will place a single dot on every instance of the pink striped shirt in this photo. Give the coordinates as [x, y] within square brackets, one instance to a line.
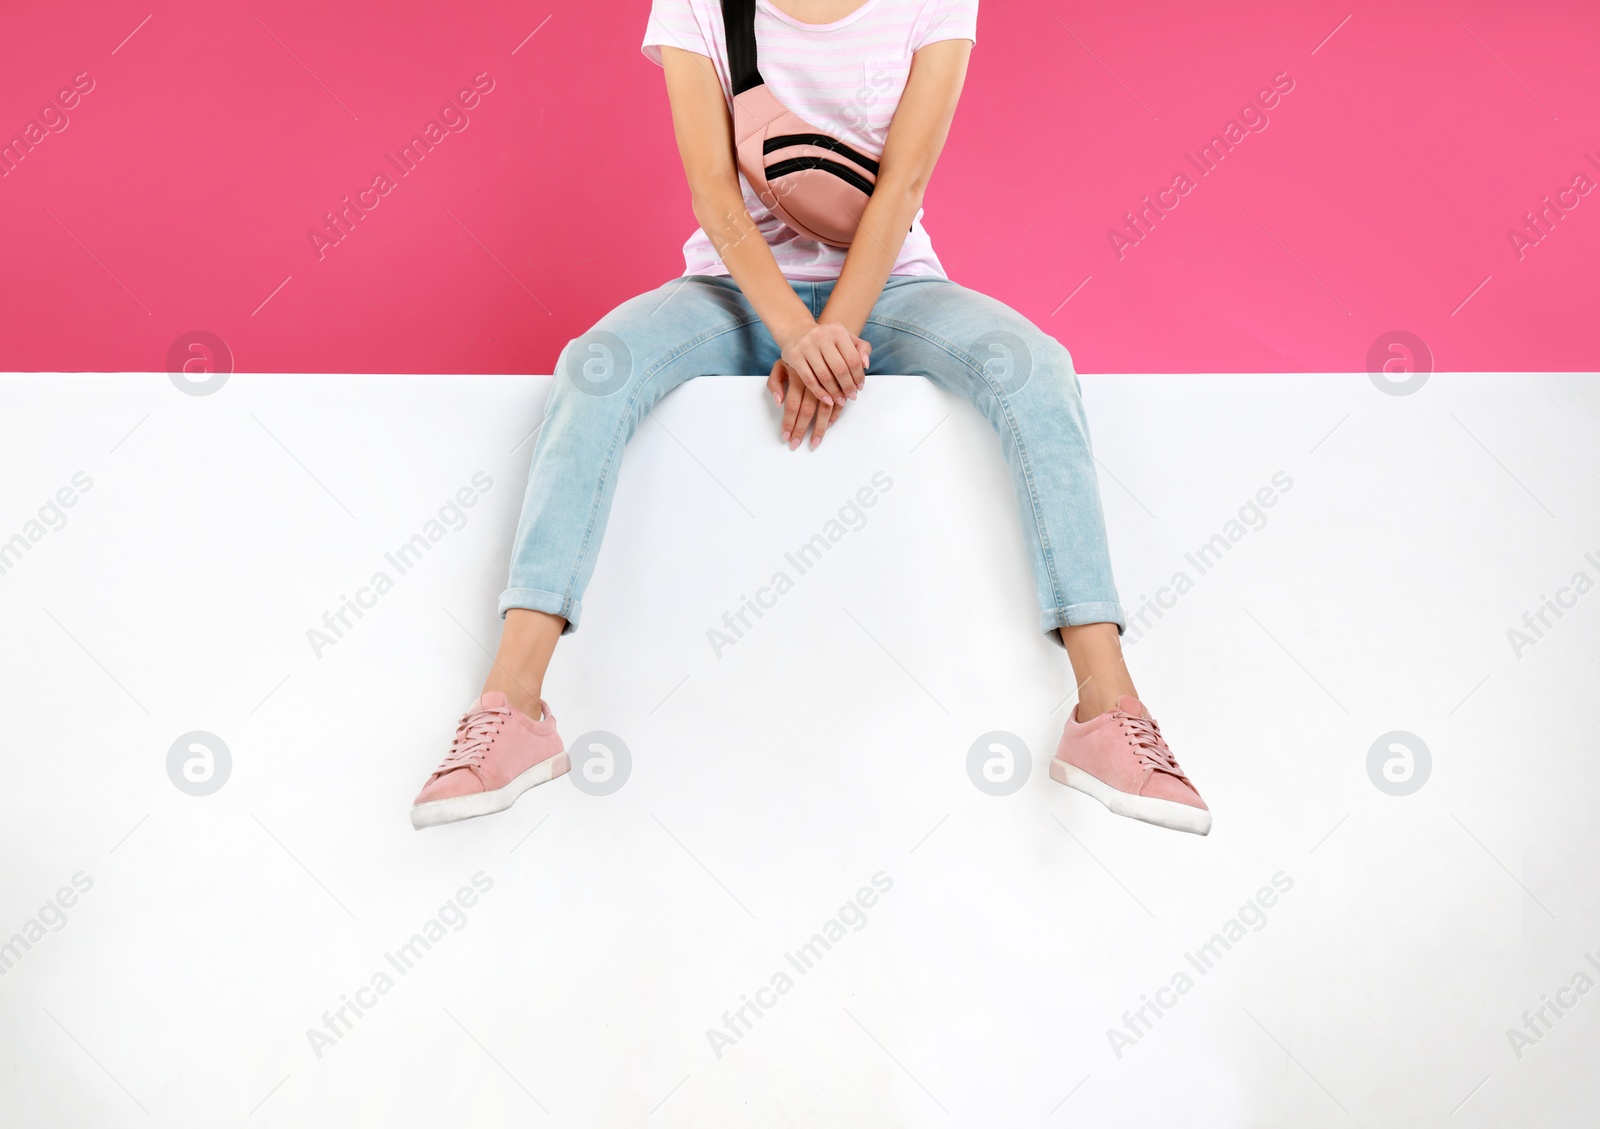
[845, 77]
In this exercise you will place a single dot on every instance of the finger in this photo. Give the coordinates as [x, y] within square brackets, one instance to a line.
[775, 383]
[865, 349]
[801, 367]
[791, 407]
[825, 419]
[808, 409]
[823, 371]
[823, 386]
[850, 352]
[840, 366]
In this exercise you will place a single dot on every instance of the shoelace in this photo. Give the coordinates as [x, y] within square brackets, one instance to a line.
[1148, 744]
[472, 738]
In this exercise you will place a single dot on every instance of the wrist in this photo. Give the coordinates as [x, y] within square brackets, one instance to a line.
[792, 328]
[842, 316]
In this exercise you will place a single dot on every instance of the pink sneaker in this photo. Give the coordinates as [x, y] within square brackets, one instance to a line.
[1121, 759]
[498, 754]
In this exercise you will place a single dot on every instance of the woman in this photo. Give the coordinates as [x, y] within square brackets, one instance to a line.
[881, 76]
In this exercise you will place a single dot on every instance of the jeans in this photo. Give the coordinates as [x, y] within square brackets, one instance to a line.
[1018, 376]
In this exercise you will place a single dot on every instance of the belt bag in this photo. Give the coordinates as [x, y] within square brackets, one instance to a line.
[816, 184]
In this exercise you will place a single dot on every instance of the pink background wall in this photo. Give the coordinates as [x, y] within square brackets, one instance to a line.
[179, 191]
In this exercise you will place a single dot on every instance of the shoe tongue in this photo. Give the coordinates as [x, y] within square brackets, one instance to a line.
[492, 700]
[1132, 706]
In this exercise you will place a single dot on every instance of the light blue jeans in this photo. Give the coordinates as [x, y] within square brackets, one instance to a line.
[1017, 375]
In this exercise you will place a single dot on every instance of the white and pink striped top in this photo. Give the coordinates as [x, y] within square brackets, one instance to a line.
[845, 77]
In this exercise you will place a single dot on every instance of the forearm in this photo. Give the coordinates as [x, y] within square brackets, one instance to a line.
[873, 253]
[727, 223]
[916, 137]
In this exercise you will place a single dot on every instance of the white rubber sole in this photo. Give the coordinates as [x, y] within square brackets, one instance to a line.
[474, 804]
[1147, 809]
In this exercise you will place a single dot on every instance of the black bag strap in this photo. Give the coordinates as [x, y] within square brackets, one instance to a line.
[739, 31]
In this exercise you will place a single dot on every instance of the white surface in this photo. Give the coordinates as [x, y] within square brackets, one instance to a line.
[771, 783]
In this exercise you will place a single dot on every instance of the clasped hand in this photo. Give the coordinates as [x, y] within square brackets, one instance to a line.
[819, 370]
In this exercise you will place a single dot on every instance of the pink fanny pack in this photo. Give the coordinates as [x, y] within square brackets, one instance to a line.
[814, 183]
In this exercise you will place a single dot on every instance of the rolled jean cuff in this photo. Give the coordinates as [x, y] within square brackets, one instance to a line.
[1074, 614]
[538, 600]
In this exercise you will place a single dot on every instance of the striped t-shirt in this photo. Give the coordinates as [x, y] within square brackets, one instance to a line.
[844, 77]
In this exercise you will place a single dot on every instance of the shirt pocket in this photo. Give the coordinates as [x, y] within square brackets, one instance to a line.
[878, 88]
